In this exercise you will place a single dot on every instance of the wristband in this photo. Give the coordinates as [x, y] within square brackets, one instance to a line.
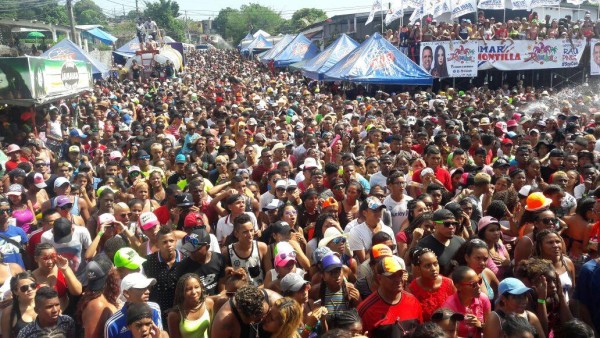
[308, 328]
[100, 233]
[541, 301]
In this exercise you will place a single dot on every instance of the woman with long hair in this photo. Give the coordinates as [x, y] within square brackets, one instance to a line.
[526, 245]
[430, 288]
[100, 298]
[349, 208]
[192, 310]
[22, 209]
[157, 188]
[475, 255]
[285, 319]
[86, 188]
[549, 246]
[407, 239]
[421, 204]
[440, 68]
[54, 271]
[21, 312]
[324, 222]
[580, 225]
[490, 231]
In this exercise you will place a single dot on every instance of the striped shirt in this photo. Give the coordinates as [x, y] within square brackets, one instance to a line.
[116, 326]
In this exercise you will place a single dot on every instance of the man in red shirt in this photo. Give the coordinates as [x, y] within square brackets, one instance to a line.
[390, 310]
[14, 152]
[433, 158]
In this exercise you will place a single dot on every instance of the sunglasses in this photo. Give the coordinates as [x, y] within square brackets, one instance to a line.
[195, 241]
[338, 187]
[126, 214]
[290, 213]
[291, 189]
[285, 255]
[41, 165]
[25, 288]
[144, 158]
[339, 240]
[448, 224]
[550, 220]
[66, 206]
[7, 211]
[134, 174]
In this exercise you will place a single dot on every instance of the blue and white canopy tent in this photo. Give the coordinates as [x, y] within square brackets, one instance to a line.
[316, 67]
[68, 50]
[277, 48]
[377, 61]
[301, 48]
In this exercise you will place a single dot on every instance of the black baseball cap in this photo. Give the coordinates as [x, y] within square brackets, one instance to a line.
[62, 230]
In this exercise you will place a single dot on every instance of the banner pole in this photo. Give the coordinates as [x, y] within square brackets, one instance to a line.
[382, 28]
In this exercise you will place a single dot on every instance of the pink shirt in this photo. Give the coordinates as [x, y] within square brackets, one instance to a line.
[480, 307]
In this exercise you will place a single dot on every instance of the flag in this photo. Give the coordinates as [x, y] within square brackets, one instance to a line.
[462, 7]
[576, 2]
[396, 14]
[440, 7]
[416, 15]
[521, 5]
[492, 4]
[376, 7]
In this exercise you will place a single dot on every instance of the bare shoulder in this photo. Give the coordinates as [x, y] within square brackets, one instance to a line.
[272, 295]
[262, 247]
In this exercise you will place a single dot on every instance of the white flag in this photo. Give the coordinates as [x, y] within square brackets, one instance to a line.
[462, 7]
[492, 4]
[414, 3]
[376, 7]
[440, 7]
[396, 14]
[416, 15]
[521, 5]
[543, 3]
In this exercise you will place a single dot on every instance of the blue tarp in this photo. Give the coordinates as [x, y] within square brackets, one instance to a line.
[258, 44]
[320, 64]
[245, 41]
[67, 50]
[377, 61]
[279, 46]
[301, 48]
[101, 35]
[130, 47]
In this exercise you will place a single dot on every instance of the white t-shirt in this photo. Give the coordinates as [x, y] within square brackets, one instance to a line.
[225, 226]
[361, 236]
[265, 199]
[73, 250]
[398, 210]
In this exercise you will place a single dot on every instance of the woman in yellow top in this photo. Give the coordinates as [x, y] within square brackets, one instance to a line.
[192, 311]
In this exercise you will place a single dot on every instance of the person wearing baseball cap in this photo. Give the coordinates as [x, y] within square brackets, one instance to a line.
[293, 285]
[69, 240]
[443, 241]
[128, 261]
[390, 305]
[360, 237]
[198, 220]
[14, 153]
[135, 288]
[64, 205]
[201, 260]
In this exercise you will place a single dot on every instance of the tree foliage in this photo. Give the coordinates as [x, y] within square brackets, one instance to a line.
[50, 11]
[86, 12]
[165, 13]
[234, 24]
[307, 16]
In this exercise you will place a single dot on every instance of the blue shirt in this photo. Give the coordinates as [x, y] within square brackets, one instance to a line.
[586, 292]
[11, 252]
[116, 326]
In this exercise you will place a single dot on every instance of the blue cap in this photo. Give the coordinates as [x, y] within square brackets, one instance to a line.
[127, 118]
[76, 133]
[331, 262]
[512, 286]
[180, 158]
[373, 203]
[511, 134]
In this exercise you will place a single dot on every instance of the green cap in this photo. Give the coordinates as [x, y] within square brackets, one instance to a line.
[128, 258]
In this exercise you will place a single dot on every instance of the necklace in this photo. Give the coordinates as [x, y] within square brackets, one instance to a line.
[255, 327]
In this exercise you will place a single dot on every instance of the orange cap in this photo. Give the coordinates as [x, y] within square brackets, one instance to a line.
[380, 250]
[330, 202]
[537, 201]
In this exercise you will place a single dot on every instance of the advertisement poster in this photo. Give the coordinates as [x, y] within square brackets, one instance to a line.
[529, 54]
[449, 58]
[595, 57]
[33, 80]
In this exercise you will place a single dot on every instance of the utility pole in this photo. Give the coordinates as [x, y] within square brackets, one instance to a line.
[71, 19]
[137, 9]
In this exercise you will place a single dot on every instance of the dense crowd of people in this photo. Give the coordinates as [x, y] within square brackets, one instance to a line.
[230, 201]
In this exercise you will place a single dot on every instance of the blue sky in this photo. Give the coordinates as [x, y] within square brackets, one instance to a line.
[204, 9]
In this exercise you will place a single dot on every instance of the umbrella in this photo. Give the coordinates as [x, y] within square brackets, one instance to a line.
[35, 35]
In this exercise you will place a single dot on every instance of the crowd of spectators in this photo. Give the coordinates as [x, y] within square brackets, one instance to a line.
[230, 201]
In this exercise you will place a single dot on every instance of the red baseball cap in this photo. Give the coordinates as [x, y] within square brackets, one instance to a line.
[193, 219]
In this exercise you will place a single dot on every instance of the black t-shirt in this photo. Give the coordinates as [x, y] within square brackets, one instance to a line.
[175, 178]
[443, 253]
[546, 172]
[210, 273]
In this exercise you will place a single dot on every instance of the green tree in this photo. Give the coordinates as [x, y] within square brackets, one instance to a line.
[234, 24]
[307, 16]
[86, 12]
[49, 11]
[165, 13]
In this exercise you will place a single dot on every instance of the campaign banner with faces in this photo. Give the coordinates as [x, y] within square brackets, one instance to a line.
[595, 57]
[444, 59]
